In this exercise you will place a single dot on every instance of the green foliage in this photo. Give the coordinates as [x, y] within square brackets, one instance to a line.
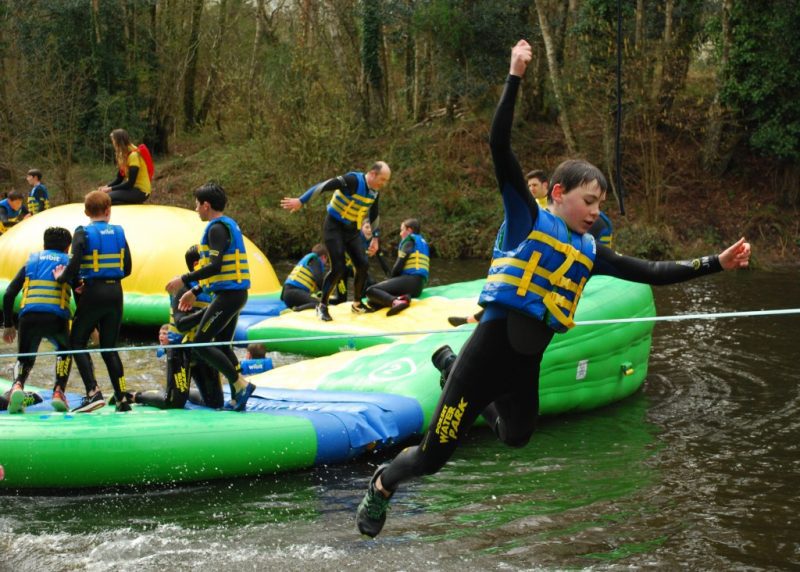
[644, 241]
[763, 77]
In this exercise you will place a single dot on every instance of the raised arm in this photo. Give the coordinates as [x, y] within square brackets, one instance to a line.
[520, 207]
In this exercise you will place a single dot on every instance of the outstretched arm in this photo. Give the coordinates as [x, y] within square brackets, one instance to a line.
[669, 272]
[344, 182]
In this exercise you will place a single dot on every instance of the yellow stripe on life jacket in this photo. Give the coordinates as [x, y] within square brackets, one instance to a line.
[45, 292]
[95, 261]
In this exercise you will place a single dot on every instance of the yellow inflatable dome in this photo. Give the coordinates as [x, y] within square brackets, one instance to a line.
[158, 237]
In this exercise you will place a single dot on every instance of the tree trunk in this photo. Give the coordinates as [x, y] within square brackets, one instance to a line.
[193, 48]
[678, 54]
[555, 78]
[663, 48]
[96, 20]
[716, 114]
[422, 79]
[251, 72]
[410, 59]
[371, 62]
[216, 58]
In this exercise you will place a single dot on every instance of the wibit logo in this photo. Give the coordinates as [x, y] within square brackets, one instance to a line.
[392, 371]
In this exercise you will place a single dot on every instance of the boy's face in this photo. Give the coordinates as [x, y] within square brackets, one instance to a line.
[32, 181]
[580, 207]
[404, 230]
[202, 209]
[366, 229]
[162, 337]
[16, 204]
[537, 188]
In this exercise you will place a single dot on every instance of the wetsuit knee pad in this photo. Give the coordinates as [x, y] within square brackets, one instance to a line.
[517, 438]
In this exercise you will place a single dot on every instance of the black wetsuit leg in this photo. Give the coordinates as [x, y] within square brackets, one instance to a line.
[206, 378]
[219, 324]
[33, 328]
[99, 306]
[134, 196]
[297, 298]
[355, 248]
[382, 294]
[489, 377]
[338, 236]
[177, 390]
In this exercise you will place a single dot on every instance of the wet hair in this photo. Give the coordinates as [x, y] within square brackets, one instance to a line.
[257, 351]
[192, 257]
[213, 194]
[320, 249]
[96, 203]
[57, 238]
[573, 173]
[536, 174]
[35, 173]
[15, 195]
[413, 224]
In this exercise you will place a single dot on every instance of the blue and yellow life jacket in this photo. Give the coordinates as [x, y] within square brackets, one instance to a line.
[12, 218]
[302, 276]
[352, 208]
[544, 275]
[256, 365]
[104, 257]
[38, 204]
[606, 235]
[418, 262]
[174, 335]
[41, 292]
[235, 273]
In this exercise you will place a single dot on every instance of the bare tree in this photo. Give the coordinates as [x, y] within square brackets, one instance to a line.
[192, 50]
[555, 78]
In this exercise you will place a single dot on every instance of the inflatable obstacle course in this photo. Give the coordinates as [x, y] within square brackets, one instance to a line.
[158, 237]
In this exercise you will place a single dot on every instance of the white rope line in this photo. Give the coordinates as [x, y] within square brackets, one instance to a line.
[452, 331]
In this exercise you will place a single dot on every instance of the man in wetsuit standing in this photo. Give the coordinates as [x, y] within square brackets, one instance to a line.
[224, 272]
[355, 197]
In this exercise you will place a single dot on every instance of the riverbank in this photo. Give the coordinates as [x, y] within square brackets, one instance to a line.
[442, 174]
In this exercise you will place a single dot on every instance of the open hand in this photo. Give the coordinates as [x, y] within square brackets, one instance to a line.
[291, 204]
[187, 301]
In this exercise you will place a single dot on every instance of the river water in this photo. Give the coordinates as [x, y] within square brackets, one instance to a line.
[698, 471]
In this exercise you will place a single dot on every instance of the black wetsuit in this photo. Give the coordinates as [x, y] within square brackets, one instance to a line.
[218, 322]
[124, 190]
[383, 293]
[181, 368]
[497, 372]
[99, 306]
[340, 237]
[33, 328]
